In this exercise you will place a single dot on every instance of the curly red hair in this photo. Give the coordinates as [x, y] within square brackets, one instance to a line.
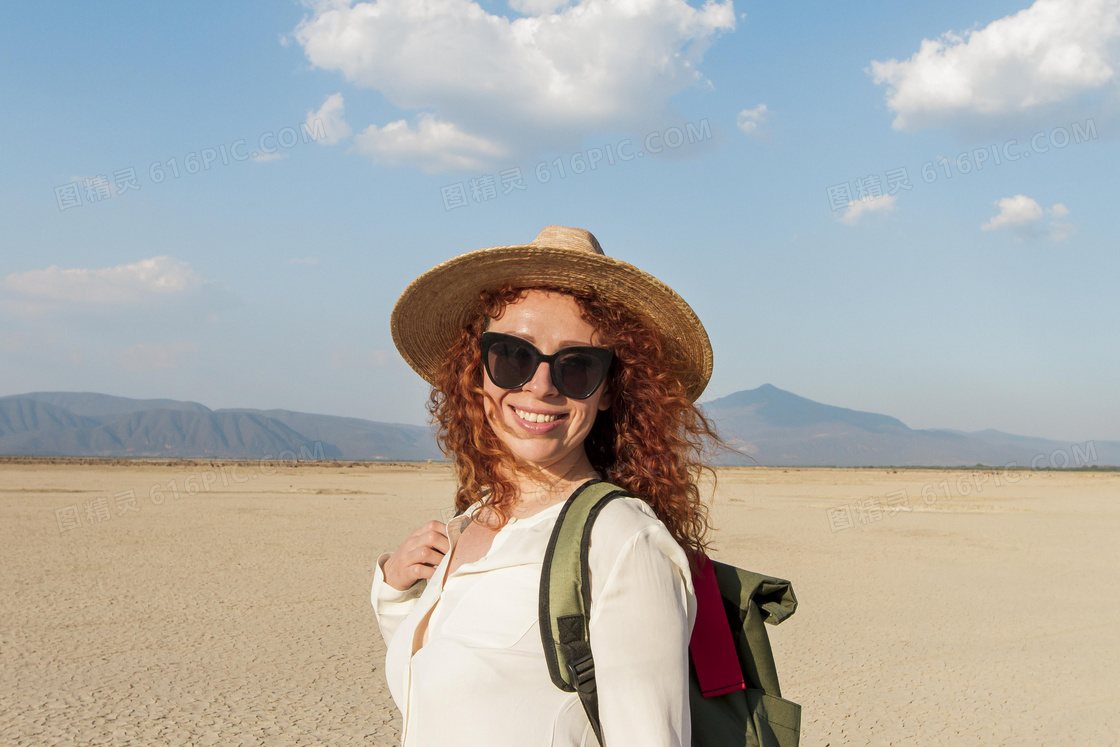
[650, 441]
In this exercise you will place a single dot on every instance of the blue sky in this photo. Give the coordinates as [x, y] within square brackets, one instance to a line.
[325, 157]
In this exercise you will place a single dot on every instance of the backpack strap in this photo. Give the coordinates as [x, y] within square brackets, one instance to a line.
[565, 596]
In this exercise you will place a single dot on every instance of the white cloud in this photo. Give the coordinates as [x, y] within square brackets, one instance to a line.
[433, 146]
[482, 87]
[268, 157]
[750, 120]
[1018, 212]
[1023, 216]
[329, 123]
[156, 357]
[1052, 52]
[537, 7]
[1060, 230]
[859, 208]
[136, 283]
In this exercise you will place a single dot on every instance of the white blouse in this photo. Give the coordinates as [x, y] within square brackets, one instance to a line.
[480, 680]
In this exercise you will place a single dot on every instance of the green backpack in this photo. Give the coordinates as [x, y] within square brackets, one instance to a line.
[751, 714]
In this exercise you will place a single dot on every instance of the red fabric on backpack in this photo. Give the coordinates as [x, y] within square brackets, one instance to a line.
[712, 647]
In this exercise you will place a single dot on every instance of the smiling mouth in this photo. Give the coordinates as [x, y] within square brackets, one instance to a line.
[536, 417]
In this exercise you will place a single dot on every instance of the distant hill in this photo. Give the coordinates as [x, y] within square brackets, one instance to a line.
[96, 405]
[776, 427]
[779, 428]
[90, 424]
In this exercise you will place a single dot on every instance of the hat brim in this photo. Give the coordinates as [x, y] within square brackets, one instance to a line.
[431, 312]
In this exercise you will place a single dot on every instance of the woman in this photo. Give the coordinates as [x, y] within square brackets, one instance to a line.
[551, 365]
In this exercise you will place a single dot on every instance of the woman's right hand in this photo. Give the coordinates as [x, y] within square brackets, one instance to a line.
[417, 557]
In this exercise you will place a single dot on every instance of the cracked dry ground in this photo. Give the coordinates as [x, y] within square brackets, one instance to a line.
[240, 614]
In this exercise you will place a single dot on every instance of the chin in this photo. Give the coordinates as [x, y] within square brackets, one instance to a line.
[539, 452]
[539, 459]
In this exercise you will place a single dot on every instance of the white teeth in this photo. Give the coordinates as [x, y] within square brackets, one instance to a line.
[535, 417]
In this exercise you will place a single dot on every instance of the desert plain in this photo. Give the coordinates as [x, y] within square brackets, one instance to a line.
[219, 603]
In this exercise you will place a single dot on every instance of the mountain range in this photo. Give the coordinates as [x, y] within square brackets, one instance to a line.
[774, 427]
[778, 428]
[89, 424]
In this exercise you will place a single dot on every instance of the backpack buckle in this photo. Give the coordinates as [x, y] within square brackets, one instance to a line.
[582, 673]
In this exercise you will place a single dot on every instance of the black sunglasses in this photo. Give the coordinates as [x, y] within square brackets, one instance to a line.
[511, 362]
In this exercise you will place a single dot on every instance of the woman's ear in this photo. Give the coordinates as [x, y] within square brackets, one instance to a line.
[605, 398]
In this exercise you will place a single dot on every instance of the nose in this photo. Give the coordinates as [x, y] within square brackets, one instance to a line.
[541, 383]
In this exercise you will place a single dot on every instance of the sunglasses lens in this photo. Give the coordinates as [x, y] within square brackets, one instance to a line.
[579, 374]
[510, 363]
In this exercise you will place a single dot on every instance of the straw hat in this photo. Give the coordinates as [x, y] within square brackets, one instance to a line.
[432, 311]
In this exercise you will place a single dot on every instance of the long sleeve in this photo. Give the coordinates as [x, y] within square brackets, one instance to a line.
[641, 620]
[390, 605]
